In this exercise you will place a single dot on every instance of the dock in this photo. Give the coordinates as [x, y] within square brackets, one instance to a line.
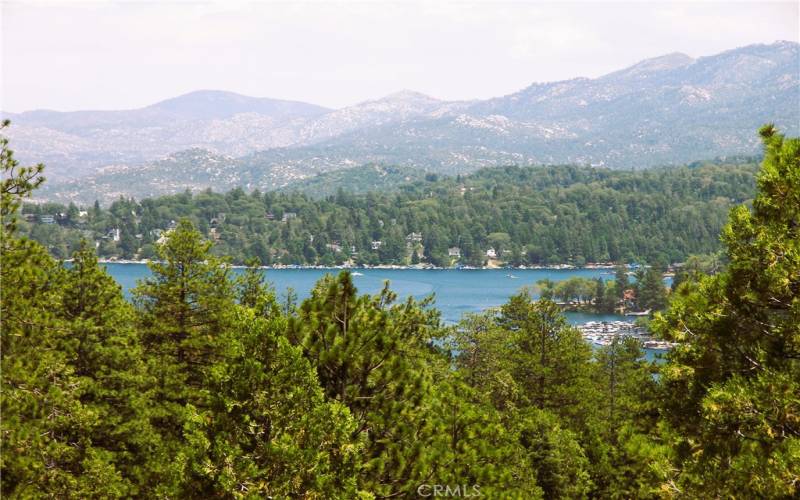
[602, 333]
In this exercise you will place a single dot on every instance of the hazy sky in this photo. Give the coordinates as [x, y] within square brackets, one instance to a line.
[112, 55]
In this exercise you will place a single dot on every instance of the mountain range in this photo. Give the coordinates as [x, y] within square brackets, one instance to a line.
[667, 110]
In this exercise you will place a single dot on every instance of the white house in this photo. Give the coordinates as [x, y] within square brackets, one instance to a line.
[414, 238]
[491, 253]
[454, 252]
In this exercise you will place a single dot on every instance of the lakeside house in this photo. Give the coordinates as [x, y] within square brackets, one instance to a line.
[47, 219]
[454, 252]
[491, 253]
[412, 238]
[112, 234]
[334, 247]
[287, 216]
[376, 244]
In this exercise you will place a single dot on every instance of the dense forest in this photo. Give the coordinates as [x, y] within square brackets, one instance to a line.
[512, 216]
[204, 385]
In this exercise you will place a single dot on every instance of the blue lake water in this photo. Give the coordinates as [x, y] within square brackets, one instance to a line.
[456, 291]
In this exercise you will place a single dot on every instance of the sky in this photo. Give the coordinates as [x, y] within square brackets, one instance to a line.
[72, 55]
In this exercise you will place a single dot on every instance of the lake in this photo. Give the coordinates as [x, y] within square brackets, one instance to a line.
[457, 291]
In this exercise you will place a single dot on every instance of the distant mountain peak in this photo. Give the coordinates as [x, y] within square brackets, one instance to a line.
[403, 96]
[658, 64]
[210, 94]
[408, 94]
[401, 104]
[205, 104]
[785, 43]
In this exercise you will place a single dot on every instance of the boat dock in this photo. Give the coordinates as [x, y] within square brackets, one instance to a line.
[602, 333]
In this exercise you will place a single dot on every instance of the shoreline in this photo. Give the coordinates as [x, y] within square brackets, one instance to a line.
[417, 267]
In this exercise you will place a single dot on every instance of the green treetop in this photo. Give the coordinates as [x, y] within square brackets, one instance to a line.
[731, 386]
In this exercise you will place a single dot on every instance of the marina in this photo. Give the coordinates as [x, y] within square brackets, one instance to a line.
[602, 333]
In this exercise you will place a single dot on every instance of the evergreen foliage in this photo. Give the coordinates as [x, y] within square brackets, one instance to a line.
[731, 387]
[530, 216]
[204, 386]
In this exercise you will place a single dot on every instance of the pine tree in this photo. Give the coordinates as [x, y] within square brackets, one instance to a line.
[556, 457]
[17, 183]
[253, 292]
[184, 311]
[368, 356]
[268, 430]
[621, 279]
[72, 401]
[477, 445]
[652, 294]
[731, 385]
[106, 359]
[550, 359]
[618, 441]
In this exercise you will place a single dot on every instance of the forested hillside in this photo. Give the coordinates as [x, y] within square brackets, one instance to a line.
[528, 216]
[204, 386]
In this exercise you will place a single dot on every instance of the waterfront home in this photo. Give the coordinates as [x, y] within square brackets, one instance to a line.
[113, 234]
[414, 238]
[47, 219]
[491, 253]
[376, 244]
[287, 216]
[454, 252]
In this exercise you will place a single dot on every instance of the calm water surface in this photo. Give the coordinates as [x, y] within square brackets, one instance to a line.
[456, 291]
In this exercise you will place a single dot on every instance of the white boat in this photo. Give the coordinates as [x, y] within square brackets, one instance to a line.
[512, 276]
[357, 274]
